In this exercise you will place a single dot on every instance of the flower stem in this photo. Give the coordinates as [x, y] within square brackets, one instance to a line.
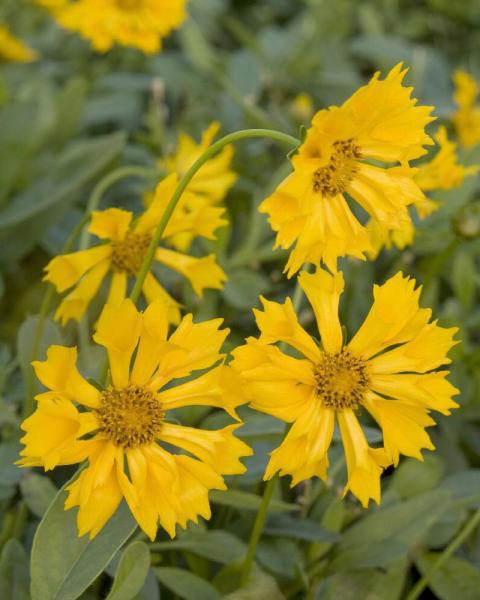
[185, 180]
[446, 554]
[267, 492]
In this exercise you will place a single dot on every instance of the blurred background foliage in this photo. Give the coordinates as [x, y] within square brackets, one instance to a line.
[73, 116]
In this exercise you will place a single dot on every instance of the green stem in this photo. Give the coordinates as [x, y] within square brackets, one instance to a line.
[261, 516]
[185, 180]
[446, 554]
[257, 530]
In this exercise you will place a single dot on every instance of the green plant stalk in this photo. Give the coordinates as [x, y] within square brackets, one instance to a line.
[446, 554]
[261, 516]
[92, 204]
[185, 180]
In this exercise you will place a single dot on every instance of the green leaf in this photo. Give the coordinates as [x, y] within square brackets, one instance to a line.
[220, 546]
[247, 501]
[10, 474]
[455, 579]
[131, 572]
[30, 213]
[244, 287]
[463, 278]
[305, 529]
[52, 334]
[464, 487]
[367, 556]
[63, 565]
[38, 491]
[261, 586]
[14, 578]
[413, 477]
[185, 584]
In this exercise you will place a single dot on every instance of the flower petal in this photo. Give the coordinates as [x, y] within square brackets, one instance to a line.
[110, 224]
[65, 270]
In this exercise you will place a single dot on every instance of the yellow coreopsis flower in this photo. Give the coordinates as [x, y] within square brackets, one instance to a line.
[301, 107]
[467, 118]
[138, 24]
[121, 256]
[126, 424]
[443, 172]
[380, 122]
[12, 49]
[388, 369]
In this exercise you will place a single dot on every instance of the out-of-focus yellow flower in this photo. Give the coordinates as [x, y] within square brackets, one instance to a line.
[12, 49]
[125, 426]
[212, 181]
[380, 122]
[467, 118]
[121, 256]
[388, 368]
[138, 24]
[302, 107]
[443, 172]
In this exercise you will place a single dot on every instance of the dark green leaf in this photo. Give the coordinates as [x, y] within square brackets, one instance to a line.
[455, 579]
[131, 572]
[14, 577]
[185, 584]
[38, 491]
[247, 501]
[219, 546]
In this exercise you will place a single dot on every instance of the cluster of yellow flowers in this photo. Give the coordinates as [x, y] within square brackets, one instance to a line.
[393, 368]
[138, 24]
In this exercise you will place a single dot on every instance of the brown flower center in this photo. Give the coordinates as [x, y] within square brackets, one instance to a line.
[130, 417]
[341, 380]
[128, 254]
[334, 178]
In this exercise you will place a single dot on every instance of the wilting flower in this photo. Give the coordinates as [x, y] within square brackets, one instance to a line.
[443, 172]
[380, 122]
[467, 118]
[138, 24]
[210, 184]
[126, 425]
[388, 369]
[12, 49]
[122, 255]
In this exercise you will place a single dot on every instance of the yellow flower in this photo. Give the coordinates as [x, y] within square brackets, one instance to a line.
[138, 24]
[442, 172]
[467, 118]
[126, 244]
[126, 426]
[301, 107]
[13, 49]
[388, 369]
[381, 123]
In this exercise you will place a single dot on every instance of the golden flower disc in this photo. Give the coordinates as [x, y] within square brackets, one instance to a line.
[341, 380]
[333, 179]
[128, 4]
[130, 417]
[128, 254]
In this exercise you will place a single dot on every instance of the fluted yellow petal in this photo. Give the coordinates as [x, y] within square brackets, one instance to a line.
[323, 292]
[65, 270]
[110, 224]
[154, 292]
[118, 287]
[118, 330]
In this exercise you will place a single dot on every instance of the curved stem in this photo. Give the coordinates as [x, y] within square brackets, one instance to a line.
[185, 180]
[446, 554]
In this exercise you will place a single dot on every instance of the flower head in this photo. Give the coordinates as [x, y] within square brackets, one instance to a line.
[121, 257]
[138, 24]
[388, 369]
[467, 117]
[442, 172]
[12, 49]
[126, 425]
[380, 122]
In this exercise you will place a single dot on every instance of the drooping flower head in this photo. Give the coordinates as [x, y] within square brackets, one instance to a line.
[467, 117]
[442, 172]
[388, 369]
[211, 182]
[121, 256]
[138, 24]
[12, 49]
[381, 122]
[127, 425]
